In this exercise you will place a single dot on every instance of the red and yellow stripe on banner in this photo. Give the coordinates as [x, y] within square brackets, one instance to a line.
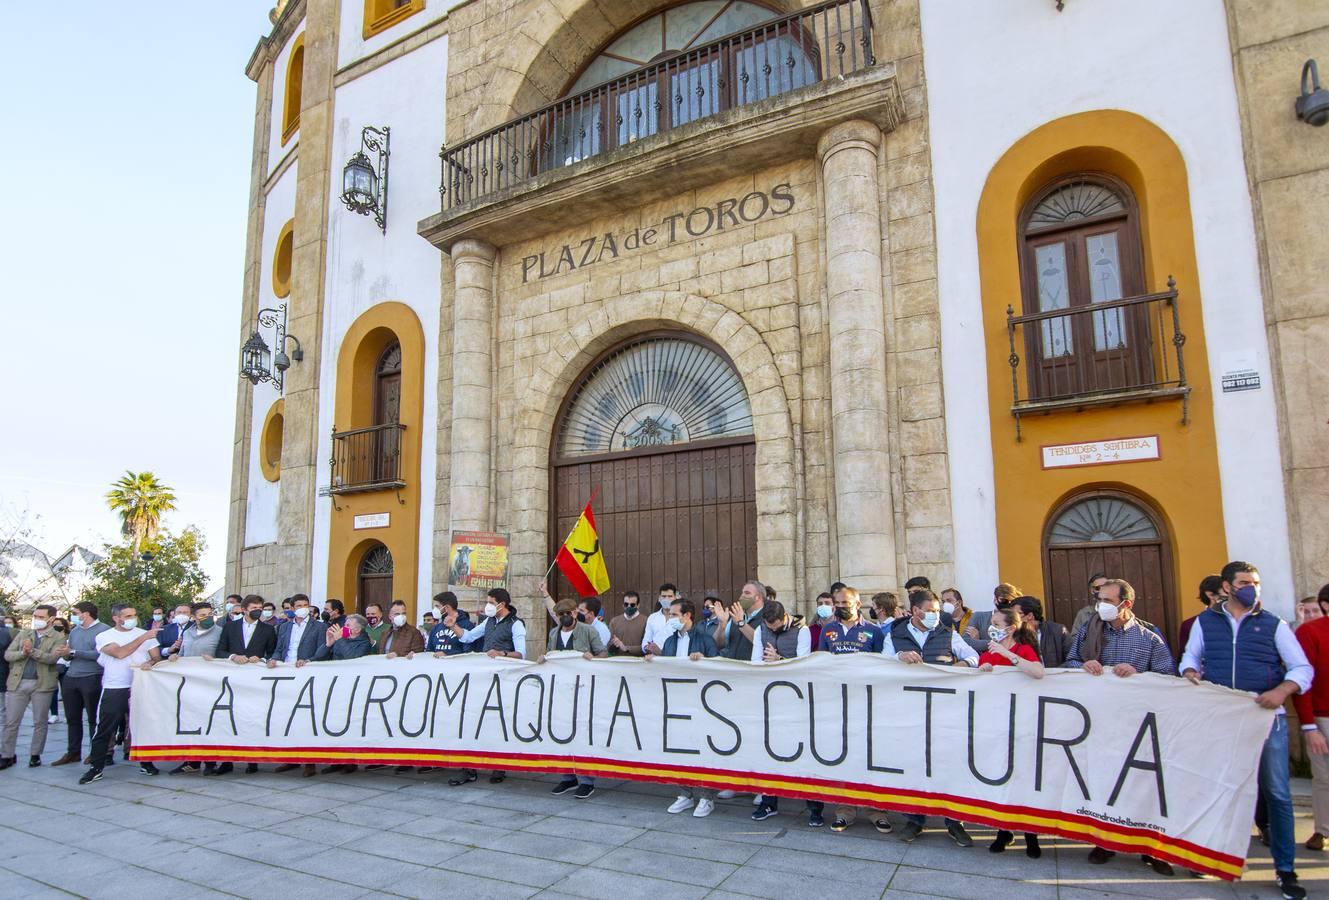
[1121, 838]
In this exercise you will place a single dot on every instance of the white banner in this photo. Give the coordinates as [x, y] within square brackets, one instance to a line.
[1126, 763]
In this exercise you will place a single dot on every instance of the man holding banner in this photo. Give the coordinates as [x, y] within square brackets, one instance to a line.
[1237, 644]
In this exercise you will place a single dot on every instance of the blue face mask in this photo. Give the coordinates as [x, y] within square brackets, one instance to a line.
[706, 612]
[1248, 595]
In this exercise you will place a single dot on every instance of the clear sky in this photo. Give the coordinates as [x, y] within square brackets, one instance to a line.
[125, 151]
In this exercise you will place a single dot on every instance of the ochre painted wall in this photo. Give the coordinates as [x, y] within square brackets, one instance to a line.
[1183, 486]
[364, 342]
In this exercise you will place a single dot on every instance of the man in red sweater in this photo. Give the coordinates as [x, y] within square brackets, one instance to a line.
[1313, 711]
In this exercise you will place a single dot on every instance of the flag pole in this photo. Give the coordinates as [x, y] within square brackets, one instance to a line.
[594, 493]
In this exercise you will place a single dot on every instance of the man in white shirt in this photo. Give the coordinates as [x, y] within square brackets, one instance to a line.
[686, 641]
[778, 636]
[657, 629]
[922, 638]
[120, 650]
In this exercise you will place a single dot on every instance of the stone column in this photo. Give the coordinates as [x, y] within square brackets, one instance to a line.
[864, 511]
[472, 384]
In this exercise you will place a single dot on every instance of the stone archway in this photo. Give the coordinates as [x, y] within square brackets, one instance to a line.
[617, 321]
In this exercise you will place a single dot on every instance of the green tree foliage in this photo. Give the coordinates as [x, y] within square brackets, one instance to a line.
[174, 575]
[140, 499]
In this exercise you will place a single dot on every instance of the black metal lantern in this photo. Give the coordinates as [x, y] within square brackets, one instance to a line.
[254, 356]
[256, 360]
[364, 183]
[1313, 104]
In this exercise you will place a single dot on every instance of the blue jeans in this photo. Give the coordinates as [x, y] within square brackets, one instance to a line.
[1277, 792]
[586, 779]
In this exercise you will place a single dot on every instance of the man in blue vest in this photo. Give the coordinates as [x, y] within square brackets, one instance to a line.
[1239, 645]
[922, 638]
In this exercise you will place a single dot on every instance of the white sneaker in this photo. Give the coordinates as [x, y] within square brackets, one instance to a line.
[726, 795]
[756, 799]
[682, 804]
[50, 720]
[704, 809]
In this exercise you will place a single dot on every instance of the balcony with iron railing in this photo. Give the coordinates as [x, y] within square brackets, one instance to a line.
[685, 118]
[1107, 353]
[367, 459]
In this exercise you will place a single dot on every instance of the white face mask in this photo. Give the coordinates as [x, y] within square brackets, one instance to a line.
[236, 617]
[490, 610]
[230, 606]
[931, 620]
[267, 614]
[438, 613]
[948, 608]
[157, 617]
[1107, 612]
[39, 624]
[995, 633]
[302, 612]
[181, 619]
[398, 620]
[664, 602]
[129, 624]
[674, 625]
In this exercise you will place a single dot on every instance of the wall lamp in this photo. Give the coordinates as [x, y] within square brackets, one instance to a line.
[256, 360]
[1313, 104]
[364, 185]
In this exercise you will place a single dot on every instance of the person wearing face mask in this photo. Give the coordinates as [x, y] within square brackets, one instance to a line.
[334, 613]
[572, 634]
[82, 684]
[922, 639]
[588, 612]
[1239, 644]
[823, 615]
[269, 613]
[1118, 640]
[373, 614]
[627, 629]
[159, 616]
[953, 611]
[32, 654]
[248, 639]
[737, 627]
[401, 637]
[198, 639]
[169, 637]
[652, 640]
[121, 649]
[501, 633]
[442, 640]
[1052, 640]
[60, 626]
[1086, 612]
[688, 641]
[975, 634]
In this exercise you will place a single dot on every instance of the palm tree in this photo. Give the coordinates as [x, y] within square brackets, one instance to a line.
[140, 499]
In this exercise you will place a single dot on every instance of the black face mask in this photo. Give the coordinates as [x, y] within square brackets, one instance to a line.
[255, 615]
[565, 620]
[629, 611]
[843, 613]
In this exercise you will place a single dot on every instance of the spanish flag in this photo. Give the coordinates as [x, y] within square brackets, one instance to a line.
[581, 560]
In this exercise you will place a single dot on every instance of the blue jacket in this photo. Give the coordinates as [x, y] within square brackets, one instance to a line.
[168, 635]
[443, 640]
[315, 636]
[345, 648]
[1251, 661]
[701, 643]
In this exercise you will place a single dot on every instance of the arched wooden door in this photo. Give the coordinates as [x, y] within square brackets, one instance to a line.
[662, 430]
[375, 577]
[1118, 535]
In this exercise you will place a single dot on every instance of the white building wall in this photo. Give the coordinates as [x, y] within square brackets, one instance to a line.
[367, 267]
[352, 44]
[276, 152]
[995, 72]
[261, 503]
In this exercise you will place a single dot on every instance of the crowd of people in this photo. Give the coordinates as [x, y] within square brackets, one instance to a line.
[1232, 642]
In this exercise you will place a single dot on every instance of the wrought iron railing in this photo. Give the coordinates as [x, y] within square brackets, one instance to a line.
[367, 459]
[826, 41]
[1104, 353]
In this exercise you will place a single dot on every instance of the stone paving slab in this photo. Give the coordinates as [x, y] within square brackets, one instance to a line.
[390, 834]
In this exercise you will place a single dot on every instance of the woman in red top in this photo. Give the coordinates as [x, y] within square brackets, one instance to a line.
[1012, 642]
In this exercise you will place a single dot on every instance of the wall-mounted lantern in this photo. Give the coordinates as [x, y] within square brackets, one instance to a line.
[257, 362]
[365, 184]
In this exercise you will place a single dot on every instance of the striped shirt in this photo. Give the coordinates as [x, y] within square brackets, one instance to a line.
[1132, 643]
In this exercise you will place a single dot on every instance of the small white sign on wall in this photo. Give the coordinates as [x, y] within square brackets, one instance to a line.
[1100, 453]
[372, 520]
[1240, 372]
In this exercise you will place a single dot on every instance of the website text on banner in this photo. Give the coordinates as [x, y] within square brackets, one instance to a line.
[1128, 763]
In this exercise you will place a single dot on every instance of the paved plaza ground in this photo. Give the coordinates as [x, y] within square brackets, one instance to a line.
[377, 833]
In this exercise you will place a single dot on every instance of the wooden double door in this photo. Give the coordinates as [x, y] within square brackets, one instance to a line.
[686, 516]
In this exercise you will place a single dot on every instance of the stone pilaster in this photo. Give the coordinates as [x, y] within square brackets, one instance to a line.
[859, 414]
[469, 484]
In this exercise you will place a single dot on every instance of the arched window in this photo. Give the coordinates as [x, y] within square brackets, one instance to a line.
[1082, 249]
[653, 393]
[281, 260]
[295, 79]
[375, 577]
[702, 83]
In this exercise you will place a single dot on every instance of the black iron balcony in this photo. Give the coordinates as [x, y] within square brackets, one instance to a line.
[367, 459]
[827, 41]
[1116, 351]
